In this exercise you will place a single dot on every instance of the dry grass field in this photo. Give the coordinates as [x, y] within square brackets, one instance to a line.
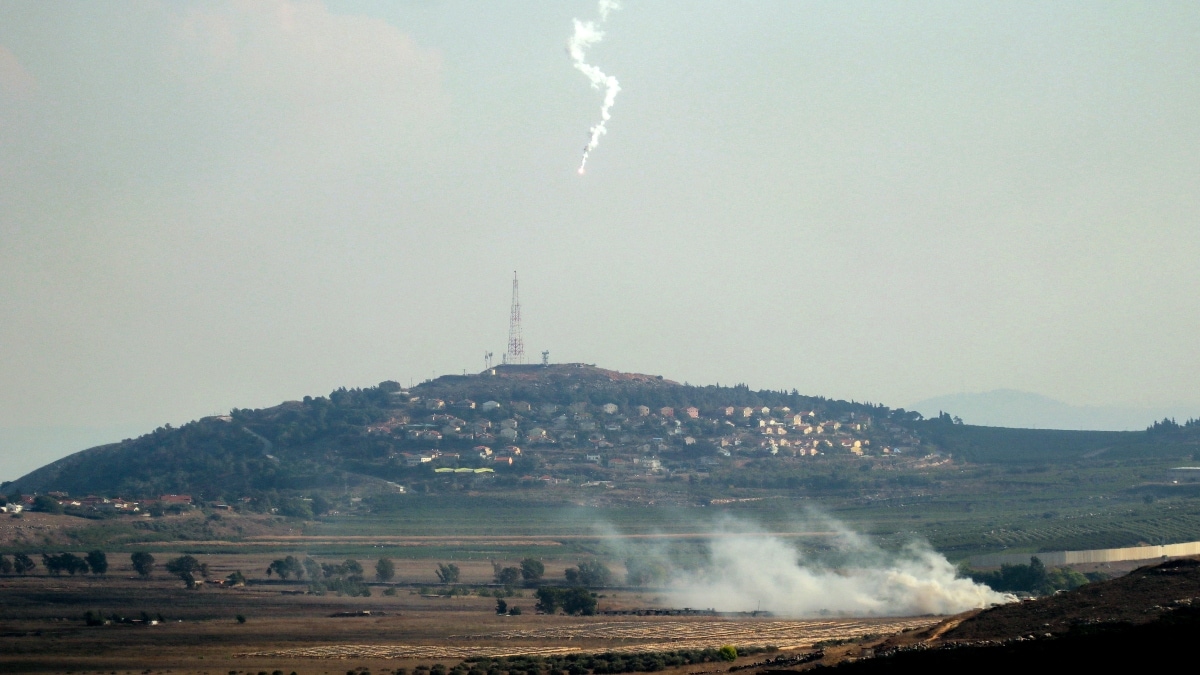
[42, 627]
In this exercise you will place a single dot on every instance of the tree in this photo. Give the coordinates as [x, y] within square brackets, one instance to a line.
[353, 570]
[143, 563]
[640, 572]
[501, 606]
[506, 576]
[286, 567]
[385, 569]
[728, 653]
[532, 569]
[313, 568]
[186, 568]
[572, 600]
[46, 504]
[447, 574]
[97, 561]
[6, 566]
[320, 505]
[23, 564]
[592, 574]
[64, 562]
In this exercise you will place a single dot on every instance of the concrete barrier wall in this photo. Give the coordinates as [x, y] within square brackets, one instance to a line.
[1102, 555]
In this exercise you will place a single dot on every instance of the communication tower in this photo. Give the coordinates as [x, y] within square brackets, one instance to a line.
[516, 346]
[546, 357]
[487, 360]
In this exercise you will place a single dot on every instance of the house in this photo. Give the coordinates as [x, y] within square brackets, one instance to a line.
[483, 450]
[587, 425]
[489, 406]
[692, 412]
[465, 404]
[727, 411]
[764, 411]
[610, 408]
[508, 424]
[689, 440]
[537, 434]
[503, 460]
[12, 508]
[548, 409]
[643, 411]
[666, 411]
[795, 420]
[521, 406]
[175, 499]
[508, 434]
[434, 404]
[578, 406]
[592, 458]
[512, 450]
[746, 412]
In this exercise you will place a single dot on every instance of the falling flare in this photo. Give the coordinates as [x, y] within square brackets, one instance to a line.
[586, 35]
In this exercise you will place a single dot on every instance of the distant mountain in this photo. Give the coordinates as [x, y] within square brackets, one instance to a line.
[1026, 410]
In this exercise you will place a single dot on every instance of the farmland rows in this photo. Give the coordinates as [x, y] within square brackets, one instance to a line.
[652, 638]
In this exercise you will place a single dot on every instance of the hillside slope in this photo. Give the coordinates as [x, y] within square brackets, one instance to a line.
[494, 429]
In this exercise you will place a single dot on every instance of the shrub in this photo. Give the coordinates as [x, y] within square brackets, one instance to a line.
[728, 653]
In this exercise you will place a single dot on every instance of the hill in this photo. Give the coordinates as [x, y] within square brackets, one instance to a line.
[526, 429]
[1022, 409]
[1139, 621]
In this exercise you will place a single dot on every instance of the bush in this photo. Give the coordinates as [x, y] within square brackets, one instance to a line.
[728, 653]
[241, 618]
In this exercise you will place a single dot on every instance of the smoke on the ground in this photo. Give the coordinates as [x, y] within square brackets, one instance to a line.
[745, 569]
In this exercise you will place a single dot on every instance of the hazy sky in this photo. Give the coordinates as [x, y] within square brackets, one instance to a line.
[215, 204]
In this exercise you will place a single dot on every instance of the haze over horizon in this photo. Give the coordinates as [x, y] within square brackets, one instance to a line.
[219, 204]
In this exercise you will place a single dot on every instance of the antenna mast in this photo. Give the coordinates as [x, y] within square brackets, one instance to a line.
[516, 346]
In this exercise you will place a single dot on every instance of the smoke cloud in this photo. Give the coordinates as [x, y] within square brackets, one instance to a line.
[746, 569]
[587, 34]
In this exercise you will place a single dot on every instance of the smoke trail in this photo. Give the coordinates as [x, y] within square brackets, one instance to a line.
[747, 570]
[586, 35]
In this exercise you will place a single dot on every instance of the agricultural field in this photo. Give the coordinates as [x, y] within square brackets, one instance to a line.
[42, 628]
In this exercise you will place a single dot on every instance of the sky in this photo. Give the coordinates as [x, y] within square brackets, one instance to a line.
[227, 203]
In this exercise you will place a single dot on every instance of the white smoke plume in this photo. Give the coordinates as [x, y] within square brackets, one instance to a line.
[748, 570]
[587, 34]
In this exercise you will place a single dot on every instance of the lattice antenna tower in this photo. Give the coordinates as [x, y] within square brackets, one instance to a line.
[516, 346]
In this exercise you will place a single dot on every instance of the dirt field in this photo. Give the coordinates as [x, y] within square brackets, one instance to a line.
[42, 627]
